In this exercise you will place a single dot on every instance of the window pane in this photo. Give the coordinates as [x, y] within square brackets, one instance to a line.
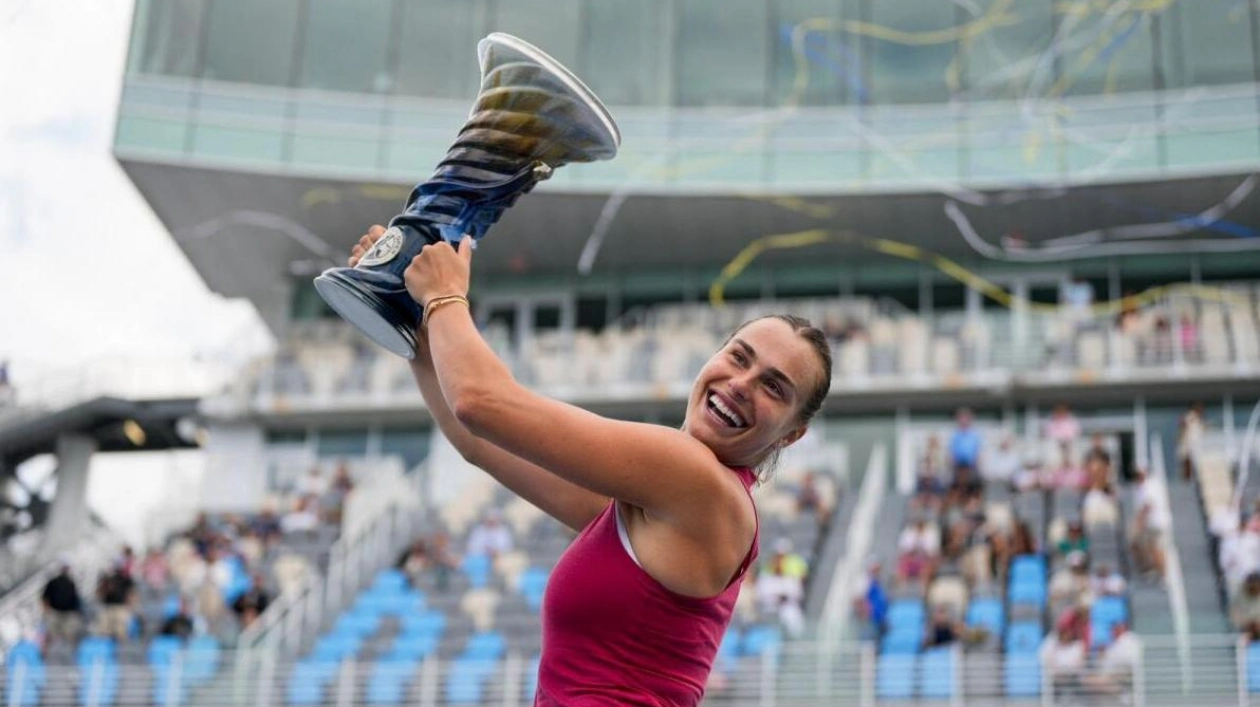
[1008, 60]
[1105, 52]
[437, 48]
[412, 444]
[723, 53]
[172, 36]
[816, 62]
[346, 46]
[251, 41]
[912, 51]
[342, 443]
[1207, 43]
[550, 25]
[626, 60]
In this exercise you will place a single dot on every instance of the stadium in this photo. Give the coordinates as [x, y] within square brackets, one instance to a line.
[1028, 228]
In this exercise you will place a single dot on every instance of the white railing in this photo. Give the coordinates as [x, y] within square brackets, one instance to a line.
[797, 673]
[1174, 578]
[837, 608]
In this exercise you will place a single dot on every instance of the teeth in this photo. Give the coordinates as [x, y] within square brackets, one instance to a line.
[731, 415]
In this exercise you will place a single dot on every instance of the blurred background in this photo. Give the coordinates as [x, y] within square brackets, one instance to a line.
[1028, 228]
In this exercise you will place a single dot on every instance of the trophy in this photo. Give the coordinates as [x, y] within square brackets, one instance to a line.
[531, 116]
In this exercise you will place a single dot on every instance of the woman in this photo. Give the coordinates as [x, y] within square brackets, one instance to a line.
[637, 606]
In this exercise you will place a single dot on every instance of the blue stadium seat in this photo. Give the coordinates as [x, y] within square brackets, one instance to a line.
[1023, 637]
[306, 684]
[413, 646]
[906, 612]
[987, 613]
[1023, 675]
[401, 603]
[1032, 567]
[533, 584]
[759, 640]
[936, 673]
[335, 647]
[162, 649]
[487, 645]
[424, 623]
[901, 642]
[895, 676]
[1105, 613]
[531, 679]
[167, 689]
[358, 624]
[1253, 668]
[99, 684]
[388, 681]
[391, 581]
[463, 685]
[1027, 591]
[477, 567]
[201, 660]
[94, 648]
[23, 657]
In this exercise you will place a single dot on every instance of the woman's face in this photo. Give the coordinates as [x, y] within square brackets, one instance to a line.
[748, 397]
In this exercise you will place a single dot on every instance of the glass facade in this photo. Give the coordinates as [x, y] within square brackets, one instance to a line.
[714, 52]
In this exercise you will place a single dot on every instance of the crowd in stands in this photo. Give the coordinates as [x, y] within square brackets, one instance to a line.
[1002, 541]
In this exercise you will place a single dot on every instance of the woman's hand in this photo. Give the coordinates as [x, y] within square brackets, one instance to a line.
[365, 243]
[439, 271]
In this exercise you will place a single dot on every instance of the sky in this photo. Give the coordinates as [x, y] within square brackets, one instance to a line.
[94, 294]
[93, 290]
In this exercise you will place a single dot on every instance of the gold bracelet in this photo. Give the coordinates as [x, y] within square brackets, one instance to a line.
[436, 302]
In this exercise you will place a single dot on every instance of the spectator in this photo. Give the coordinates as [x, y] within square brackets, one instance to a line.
[809, 499]
[870, 601]
[919, 549]
[1188, 331]
[964, 445]
[181, 624]
[1244, 608]
[302, 519]
[117, 593]
[63, 608]
[266, 525]
[250, 605]
[414, 561]
[1074, 540]
[1150, 502]
[153, 570]
[342, 482]
[1071, 585]
[1001, 465]
[1098, 450]
[1098, 508]
[313, 484]
[1064, 431]
[491, 536]
[1116, 663]
[1190, 440]
[1106, 582]
[943, 630]
[793, 564]
[930, 485]
[780, 593]
[1240, 553]
[1063, 659]
[126, 561]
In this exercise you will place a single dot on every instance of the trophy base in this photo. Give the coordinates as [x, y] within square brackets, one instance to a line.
[376, 318]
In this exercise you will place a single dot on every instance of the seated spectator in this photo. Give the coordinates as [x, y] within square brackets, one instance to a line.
[1099, 507]
[1016, 541]
[266, 525]
[1074, 540]
[182, 623]
[1097, 471]
[793, 564]
[63, 608]
[250, 605]
[1071, 584]
[1063, 657]
[965, 443]
[809, 499]
[1240, 553]
[919, 549]
[1030, 476]
[1064, 431]
[1151, 519]
[1116, 663]
[962, 522]
[414, 561]
[943, 630]
[965, 484]
[1244, 608]
[1098, 450]
[153, 570]
[1069, 477]
[1075, 619]
[313, 484]
[870, 601]
[302, 519]
[333, 502]
[1106, 582]
[442, 560]
[1002, 464]
[491, 536]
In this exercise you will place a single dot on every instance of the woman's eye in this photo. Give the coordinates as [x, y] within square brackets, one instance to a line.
[774, 387]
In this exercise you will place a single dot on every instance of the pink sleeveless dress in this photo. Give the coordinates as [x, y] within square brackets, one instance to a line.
[613, 635]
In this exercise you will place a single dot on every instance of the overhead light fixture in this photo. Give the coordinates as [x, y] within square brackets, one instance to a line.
[134, 433]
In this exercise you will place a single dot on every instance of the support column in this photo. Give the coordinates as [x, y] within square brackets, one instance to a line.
[68, 515]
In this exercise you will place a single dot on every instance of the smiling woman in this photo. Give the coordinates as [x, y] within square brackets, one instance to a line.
[638, 604]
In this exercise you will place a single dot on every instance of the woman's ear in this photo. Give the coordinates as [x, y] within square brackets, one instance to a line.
[790, 438]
